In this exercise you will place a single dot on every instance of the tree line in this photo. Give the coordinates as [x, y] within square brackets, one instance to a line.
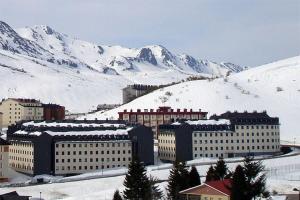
[247, 181]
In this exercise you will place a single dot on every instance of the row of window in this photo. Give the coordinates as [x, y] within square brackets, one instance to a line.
[218, 134]
[258, 127]
[74, 160]
[235, 141]
[166, 154]
[21, 151]
[237, 148]
[107, 144]
[27, 144]
[21, 159]
[22, 166]
[92, 152]
[68, 168]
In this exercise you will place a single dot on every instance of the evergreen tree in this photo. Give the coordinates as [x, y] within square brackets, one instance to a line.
[194, 178]
[221, 169]
[117, 195]
[137, 184]
[211, 174]
[255, 179]
[238, 186]
[178, 180]
[156, 193]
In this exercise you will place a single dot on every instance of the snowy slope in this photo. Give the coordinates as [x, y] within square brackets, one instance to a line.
[39, 62]
[255, 89]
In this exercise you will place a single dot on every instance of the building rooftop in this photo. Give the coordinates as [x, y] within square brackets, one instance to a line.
[205, 122]
[72, 123]
[13, 196]
[3, 142]
[221, 186]
[77, 133]
[245, 117]
[21, 100]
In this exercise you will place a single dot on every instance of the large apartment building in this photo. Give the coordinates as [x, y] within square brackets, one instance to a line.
[163, 115]
[226, 135]
[15, 110]
[131, 92]
[4, 167]
[72, 147]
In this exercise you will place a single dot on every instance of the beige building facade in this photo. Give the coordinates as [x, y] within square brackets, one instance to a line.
[4, 159]
[74, 147]
[1, 120]
[219, 138]
[81, 157]
[15, 110]
[21, 156]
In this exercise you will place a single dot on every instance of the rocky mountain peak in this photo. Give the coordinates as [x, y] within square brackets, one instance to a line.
[147, 55]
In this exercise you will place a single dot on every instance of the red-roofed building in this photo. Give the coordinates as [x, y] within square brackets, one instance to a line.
[213, 190]
[163, 115]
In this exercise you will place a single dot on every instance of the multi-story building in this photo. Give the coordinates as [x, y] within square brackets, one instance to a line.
[1, 121]
[163, 115]
[4, 167]
[75, 147]
[226, 135]
[131, 92]
[53, 112]
[15, 110]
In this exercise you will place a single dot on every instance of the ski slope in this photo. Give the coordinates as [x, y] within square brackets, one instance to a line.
[274, 87]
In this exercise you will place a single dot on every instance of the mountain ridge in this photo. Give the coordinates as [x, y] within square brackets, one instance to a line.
[40, 62]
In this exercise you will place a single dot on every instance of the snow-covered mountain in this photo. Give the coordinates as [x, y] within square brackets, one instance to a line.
[39, 62]
[274, 87]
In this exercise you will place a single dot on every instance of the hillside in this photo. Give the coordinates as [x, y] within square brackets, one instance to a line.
[39, 62]
[274, 87]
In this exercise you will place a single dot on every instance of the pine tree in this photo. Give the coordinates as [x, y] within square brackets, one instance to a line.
[238, 186]
[211, 174]
[156, 193]
[255, 179]
[137, 184]
[117, 195]
[178, 180]
[194, 178]
[221, 169]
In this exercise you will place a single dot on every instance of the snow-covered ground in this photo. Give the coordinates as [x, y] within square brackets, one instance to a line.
[274, 87]
[283, 175]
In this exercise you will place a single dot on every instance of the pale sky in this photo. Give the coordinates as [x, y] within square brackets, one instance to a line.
[245, 32]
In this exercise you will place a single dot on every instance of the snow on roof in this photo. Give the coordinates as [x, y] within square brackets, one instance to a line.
[21, 132]
[206, 122]
[98, 132]
[78, 133]
[66, 124]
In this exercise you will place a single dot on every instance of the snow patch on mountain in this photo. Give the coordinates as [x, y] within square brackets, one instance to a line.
[274, 87]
